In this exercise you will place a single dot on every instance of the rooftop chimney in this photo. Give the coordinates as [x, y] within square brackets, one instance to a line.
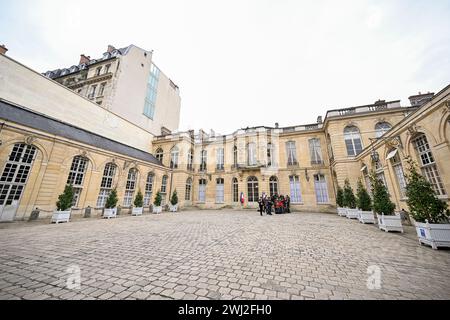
[3, 49]
[276, 125]
[111, 48]
[84, 59]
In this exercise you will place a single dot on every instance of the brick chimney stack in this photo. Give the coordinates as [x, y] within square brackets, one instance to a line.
[84, 59]
[111, 48]
[3, 49]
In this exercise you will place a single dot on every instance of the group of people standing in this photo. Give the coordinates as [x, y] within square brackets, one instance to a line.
[279, 203]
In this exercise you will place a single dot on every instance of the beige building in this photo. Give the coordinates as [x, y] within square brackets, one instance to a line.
[51, 135]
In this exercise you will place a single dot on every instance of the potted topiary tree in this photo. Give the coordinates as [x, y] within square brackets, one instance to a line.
[157, 208]
[138, 204]
[364, 203]
[110, 210]
[63, 205]
[384, 208]
[340, 202]
[174, 202]
[430, 215]
[350, 201]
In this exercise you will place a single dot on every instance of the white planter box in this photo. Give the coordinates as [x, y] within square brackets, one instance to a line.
[366, 217]
[157, 209]
[110, 213]
[352, 213]
[390, 223]
[137, 211]
[173, 208]
[342, 212]
[434, 235]
[60, 216]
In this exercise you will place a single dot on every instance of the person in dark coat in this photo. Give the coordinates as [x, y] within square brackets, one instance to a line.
[288, 204]
[269, 207]
[261, 206]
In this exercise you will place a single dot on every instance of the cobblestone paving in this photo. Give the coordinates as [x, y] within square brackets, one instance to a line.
[218, 255]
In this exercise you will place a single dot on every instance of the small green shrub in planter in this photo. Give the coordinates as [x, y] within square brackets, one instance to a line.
[112, 199]
[348, 197]
[158, 199]
[174, 199]
[65, 199]
[381, 198]
[139, 200]
[422, 201]
[363, 198]
[340, 197]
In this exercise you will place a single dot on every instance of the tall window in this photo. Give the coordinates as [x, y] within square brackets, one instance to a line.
[106, 184]
[270, 155]
[151, 93]
[315, 151]
[76, 177]
[291, 153]
[235, 156]
[252, 188]
[187, 195]
[101, 91]
[190, 160]
[92, 92]
[294, 184]
[16, 172]
[428, 165]
[148, 189]
[273, 185]
[219, 190]
[235, 190]
[163, 189]
[398, 169]
[220, 158]
[174, 158]
[320, 186]
[251, 154]
[107, 67]
[159, 154]
[98, 71]
[381, 128]
[130, 187]
[202, 190]
[203, 159]
[352, 140]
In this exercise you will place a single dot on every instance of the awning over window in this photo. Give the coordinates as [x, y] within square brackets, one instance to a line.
[392, 154]
[363, 168]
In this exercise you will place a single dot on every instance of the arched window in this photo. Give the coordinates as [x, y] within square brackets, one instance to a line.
[130, 187]
[252, 189]
[190, 160]
[235, 190]
[203, 160]
[294, 185]
[14, 178]
[219, 190]
[159, 154]
[235, 156]
[202, 190]
[163, 189]
[381, 128]
[273, 185]
[174, 157]
[352, 141]
[291, 152]
[270, 155]
[106, 184]
[251, 154]
[76, 177]
[187, 195]
[148, 189]
[428, 164]
[396, 163]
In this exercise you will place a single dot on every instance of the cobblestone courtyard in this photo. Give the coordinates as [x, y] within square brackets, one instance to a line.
[218, 255]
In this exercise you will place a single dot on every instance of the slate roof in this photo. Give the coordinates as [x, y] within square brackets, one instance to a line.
[32, 119]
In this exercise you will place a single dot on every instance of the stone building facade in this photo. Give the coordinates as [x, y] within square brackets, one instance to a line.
[51, 136]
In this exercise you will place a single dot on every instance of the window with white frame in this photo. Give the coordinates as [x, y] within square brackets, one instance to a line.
[190, 160]
[294, 185]
[174, 158]
[148, 189]
[270, 161]
[106, 184]
[251, 154]
[235, 156]
[101, 90]
[252, 189]
[235, 190]
[159, 154]
[399, 174]
[76, 177]
[15, 173]
[352, 141]
[428, 165]
[164, 184]
[321, 189]
[98, 71]
[202, 190]
[220, 159]
[291, 153]
[381, 128]
[273, 185]
[220, 190]
[187, 195]
[107, 67]
[92, 93]
[315, 151]
[203, 159]
[130, 187]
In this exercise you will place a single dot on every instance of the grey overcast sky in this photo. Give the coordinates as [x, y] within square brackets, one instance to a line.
[247, 63]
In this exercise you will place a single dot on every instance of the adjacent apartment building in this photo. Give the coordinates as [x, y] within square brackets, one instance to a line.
[52, 135]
